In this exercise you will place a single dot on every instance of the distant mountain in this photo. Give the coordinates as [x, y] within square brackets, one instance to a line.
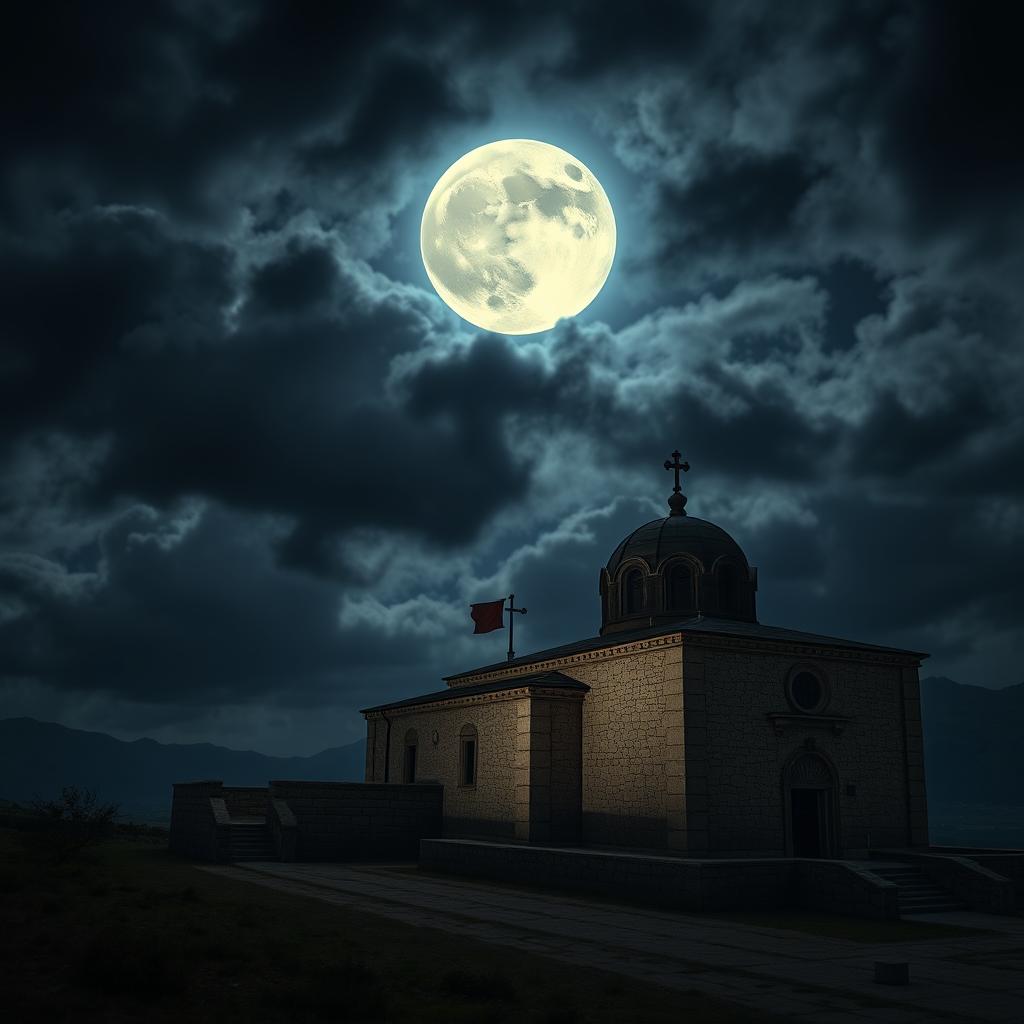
[973, 743]
[38, 758]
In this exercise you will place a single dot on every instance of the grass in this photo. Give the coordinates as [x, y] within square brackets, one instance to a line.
[127, 932]
[855, 929]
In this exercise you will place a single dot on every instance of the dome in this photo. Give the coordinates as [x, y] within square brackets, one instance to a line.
[675, 568]
[674, 535]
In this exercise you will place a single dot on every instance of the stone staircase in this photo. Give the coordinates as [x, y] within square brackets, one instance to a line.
[251, 840]
[917, 894]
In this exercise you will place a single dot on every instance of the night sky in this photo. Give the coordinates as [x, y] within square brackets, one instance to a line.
[253, 470]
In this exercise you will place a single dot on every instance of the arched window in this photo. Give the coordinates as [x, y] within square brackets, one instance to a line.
[728, 589]
[680, 587]
[409, 758]
[633, 592]
[468, 753]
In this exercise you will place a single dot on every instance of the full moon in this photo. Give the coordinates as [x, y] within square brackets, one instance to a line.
[516, 235]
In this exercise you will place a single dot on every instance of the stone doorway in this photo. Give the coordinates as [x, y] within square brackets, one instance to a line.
[810, 807]
[808, 819]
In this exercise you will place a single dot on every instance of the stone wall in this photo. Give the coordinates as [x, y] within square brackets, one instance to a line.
[488, 808]
[676, 883]
[843, 888]
[566, 769]
[547, 770]
[667, 882]
[982, 886]
[357, 820]
[631, 740]
[245, 801]
[632, 745]
[197, 829]
[736, 755]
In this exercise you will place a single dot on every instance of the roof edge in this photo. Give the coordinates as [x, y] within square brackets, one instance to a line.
[696, 627]
[545, 681]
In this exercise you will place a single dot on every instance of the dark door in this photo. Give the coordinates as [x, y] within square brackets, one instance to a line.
[807, 822]
[410, 764]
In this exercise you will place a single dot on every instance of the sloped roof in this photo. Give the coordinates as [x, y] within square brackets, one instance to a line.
[695, 626]
[548, 680]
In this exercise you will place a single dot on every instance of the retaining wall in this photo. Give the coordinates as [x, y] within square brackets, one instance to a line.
[360, 820]
[675, 883]
[246, 801]
[668, 882]
[843, 888]
[198, 827]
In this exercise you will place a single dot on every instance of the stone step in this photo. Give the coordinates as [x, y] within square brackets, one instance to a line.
[250, 840]
[917, 893]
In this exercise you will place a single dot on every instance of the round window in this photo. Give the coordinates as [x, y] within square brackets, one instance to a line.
[807, 691]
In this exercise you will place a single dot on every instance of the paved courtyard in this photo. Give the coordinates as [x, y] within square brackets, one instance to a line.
[973, 977]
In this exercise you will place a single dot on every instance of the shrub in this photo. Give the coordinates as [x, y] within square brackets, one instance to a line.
[76, 821]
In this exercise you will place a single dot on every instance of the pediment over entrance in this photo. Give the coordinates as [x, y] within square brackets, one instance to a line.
[810, 771]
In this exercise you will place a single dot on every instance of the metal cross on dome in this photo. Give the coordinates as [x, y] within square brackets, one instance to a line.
[677, 466]
[677, 500]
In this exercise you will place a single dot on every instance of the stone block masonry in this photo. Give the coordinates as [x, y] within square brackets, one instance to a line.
[199, 821]
[668, 882]
[673, 883]
[360, 820]
[307, 820]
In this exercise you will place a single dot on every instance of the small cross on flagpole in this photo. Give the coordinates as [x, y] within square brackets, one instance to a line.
[511, 622]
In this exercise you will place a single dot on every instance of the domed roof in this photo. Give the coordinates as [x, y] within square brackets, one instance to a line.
[721, 583]
[676, 535]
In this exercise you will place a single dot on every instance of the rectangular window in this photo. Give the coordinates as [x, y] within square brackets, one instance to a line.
[468, 772]
[409, 773]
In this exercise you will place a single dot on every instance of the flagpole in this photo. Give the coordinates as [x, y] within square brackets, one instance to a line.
[512, 612]
[511, 622]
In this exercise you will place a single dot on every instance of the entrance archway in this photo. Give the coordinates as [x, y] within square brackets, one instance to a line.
[810, 806]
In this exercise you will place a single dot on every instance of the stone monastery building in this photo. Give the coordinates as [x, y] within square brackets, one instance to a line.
[685, 725]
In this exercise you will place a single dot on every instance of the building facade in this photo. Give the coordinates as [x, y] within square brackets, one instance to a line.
[685, 726]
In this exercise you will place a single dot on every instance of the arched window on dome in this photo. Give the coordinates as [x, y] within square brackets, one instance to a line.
[728, 589]
[679, 588]
[633, 592]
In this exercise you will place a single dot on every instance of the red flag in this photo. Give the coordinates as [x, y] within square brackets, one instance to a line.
[487, 616]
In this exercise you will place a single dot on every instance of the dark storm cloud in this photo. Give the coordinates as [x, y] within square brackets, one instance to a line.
[162, 103]
[78, 296]
[734, 204]
[186, 607]
[239, 463]
[605, 37]
[948, 127]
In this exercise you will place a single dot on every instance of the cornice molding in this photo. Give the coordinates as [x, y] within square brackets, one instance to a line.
[456, 700]
[754, 645]
[780, 720]
[551, 664]
[800, 648]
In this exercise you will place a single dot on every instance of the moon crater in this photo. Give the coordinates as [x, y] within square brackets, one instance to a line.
[516, 235]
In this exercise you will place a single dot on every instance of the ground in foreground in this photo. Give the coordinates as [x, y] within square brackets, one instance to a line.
[127, 932]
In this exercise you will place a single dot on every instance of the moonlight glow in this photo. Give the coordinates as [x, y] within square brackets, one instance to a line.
[517, 234]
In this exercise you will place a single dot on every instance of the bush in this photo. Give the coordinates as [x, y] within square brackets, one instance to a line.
[76, 821]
